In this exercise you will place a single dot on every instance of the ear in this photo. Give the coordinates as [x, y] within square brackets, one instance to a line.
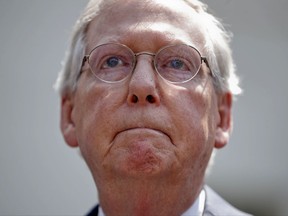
[224, 126]
[66, 122]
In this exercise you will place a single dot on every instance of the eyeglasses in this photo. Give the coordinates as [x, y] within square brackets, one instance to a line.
[114, 62]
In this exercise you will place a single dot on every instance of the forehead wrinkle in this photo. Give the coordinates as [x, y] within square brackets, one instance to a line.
[126, 20]
[147, 9]
[148, 37]
[156, 33]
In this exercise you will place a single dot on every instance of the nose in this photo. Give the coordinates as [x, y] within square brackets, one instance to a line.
[143, 83]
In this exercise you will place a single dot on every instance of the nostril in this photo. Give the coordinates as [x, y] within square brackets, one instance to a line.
[150, 99]
[134, 99]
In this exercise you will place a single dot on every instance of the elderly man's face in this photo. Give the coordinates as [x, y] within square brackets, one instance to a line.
[144, 126]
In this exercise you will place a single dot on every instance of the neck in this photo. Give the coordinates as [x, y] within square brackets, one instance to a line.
[147, 197]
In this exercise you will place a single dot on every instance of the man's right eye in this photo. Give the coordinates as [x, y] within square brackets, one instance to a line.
[112, 62]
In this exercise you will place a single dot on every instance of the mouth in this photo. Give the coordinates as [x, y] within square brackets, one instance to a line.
[143, 132]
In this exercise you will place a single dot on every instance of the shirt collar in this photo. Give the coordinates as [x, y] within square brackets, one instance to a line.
[197, 208]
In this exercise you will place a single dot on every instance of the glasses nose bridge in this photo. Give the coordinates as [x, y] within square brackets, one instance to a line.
[145, 53]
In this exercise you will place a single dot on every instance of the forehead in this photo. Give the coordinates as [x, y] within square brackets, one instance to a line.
[135, 22]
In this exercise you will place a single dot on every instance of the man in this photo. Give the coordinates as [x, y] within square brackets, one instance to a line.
[146, 95]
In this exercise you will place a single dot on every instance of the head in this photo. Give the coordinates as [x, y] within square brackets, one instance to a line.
[146, 126]
[216, 48]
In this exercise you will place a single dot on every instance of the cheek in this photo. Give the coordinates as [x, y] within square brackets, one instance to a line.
[196, 140]
[195, 121]
[94, 119]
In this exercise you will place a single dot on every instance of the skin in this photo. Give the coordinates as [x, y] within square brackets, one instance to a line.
[146, 141]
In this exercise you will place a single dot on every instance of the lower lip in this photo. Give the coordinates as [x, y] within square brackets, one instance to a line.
[141, 134]
[144, 131]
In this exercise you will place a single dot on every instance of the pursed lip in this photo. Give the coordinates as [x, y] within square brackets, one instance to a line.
[144, 129]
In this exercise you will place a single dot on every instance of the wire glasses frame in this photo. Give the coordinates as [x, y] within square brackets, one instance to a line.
[113, 62]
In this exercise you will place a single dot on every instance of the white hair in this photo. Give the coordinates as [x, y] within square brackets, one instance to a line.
[216, 49]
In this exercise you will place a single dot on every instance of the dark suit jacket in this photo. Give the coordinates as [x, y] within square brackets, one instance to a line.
[214, 206]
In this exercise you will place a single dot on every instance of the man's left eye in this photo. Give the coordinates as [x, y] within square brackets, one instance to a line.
[176, 64]
[113, 62]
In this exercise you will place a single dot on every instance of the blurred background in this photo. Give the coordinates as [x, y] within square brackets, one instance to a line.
[40, 175]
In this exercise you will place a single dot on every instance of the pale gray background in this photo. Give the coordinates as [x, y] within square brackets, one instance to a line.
[40, 175]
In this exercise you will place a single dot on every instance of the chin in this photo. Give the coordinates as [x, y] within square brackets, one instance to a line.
[147, 163]
[141, 164]
[146, 154]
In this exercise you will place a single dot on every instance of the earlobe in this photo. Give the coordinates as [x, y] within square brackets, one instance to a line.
[224, 126]
[67, 123]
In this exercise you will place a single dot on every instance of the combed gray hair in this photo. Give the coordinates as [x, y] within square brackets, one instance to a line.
[217, 50]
